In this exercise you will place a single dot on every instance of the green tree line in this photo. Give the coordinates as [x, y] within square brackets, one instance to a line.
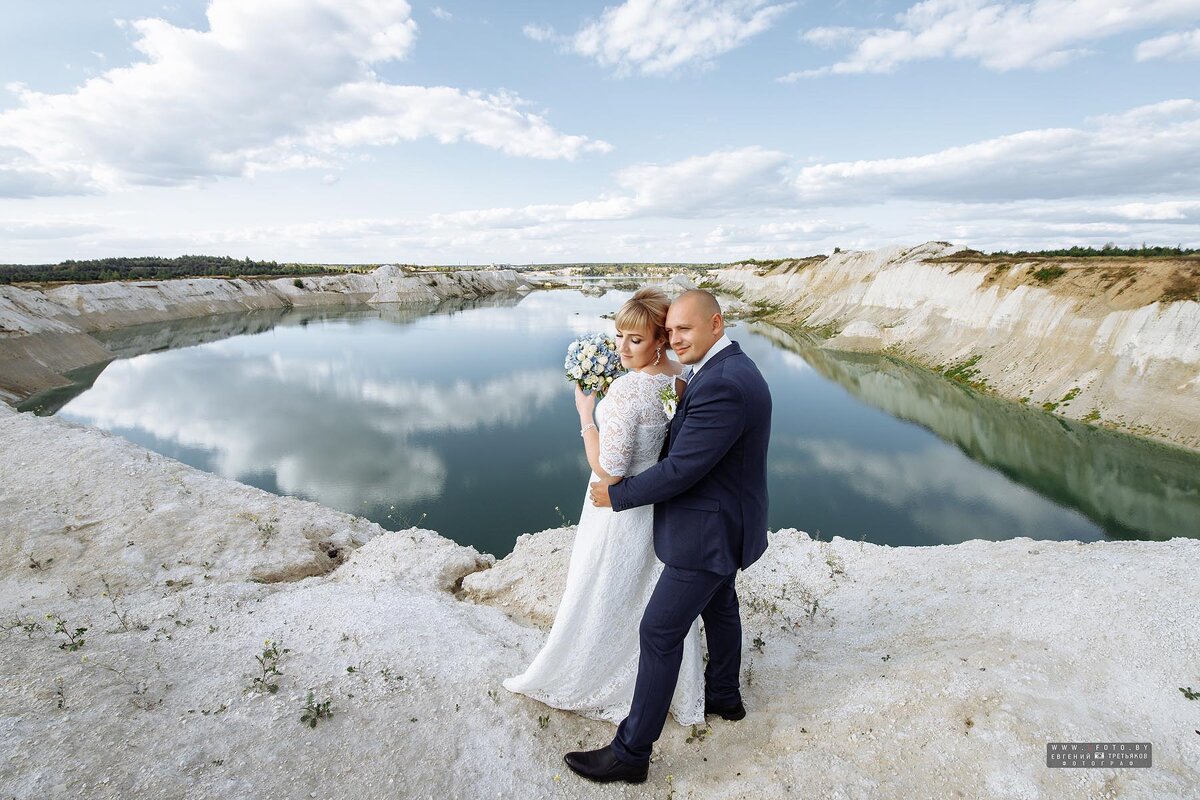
[151, 268]
[1109, 249]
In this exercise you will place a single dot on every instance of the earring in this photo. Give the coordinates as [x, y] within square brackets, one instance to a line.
[657, 355]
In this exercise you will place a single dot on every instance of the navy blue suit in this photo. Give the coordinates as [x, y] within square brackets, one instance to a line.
[710, 517]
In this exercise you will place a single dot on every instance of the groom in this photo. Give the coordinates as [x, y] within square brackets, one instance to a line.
[710, 518]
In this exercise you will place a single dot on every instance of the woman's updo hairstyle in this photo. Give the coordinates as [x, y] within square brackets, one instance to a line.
[646, 311]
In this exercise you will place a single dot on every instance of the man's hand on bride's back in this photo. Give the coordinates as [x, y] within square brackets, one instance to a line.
[598, 491]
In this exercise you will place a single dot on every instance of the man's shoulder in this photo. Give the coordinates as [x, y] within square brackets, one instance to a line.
[738, 370]
[721, 381]
[733, 361]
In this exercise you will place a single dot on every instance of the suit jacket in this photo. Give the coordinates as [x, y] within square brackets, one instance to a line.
[710, 490]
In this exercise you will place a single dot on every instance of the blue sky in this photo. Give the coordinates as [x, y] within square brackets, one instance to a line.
[695, 130]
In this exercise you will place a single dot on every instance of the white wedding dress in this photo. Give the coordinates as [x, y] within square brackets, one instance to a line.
[589, 661]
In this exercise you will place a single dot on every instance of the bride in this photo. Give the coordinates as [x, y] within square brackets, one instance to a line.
[590, 659]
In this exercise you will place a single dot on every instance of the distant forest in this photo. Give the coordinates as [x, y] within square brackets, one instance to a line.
[1107, 251]
[115, 269]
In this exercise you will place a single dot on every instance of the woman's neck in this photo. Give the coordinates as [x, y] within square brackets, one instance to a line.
[665, 370]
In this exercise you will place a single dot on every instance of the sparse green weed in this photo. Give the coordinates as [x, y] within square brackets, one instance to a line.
[75, 640]
[268, 663]
[314, 711]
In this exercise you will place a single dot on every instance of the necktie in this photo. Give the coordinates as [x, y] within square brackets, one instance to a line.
[685, 376]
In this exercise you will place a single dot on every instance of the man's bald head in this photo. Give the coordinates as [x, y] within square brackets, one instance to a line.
[705, 302]
[694, 324]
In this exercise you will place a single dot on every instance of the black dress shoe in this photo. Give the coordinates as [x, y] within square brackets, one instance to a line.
[603, 766]
[731, 713]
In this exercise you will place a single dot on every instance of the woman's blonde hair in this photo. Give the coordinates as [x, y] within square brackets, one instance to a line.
[645, 311]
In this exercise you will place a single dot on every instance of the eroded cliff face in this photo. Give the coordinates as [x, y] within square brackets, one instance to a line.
[1100, 342]
[46, 333]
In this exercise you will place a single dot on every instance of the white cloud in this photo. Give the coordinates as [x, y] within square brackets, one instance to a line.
[750, 176]
[441, 13]
[1154, 148]
[16, 229]
[1038, 224]
[791, 232]
[1124, 177]
[757, 233]
[270, 85]
[725, 180]
[1171, 212]
[831, 37]
[1037, 234]
[1168, 211]
[1178, 46]
[1033, 187]
[1000, 35]
[658, 37]
[539, 33]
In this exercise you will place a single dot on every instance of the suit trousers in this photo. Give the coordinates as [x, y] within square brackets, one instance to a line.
[679, 597]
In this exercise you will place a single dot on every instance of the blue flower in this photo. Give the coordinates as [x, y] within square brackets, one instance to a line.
[582, 365]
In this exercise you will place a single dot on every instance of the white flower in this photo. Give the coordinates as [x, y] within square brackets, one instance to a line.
[602, 361]
[670, 401]
[576, 373]
[587, 364]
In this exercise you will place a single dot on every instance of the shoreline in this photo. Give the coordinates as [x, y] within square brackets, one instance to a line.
[44, 334]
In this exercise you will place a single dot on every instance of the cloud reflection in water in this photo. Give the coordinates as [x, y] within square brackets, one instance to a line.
[324, 430]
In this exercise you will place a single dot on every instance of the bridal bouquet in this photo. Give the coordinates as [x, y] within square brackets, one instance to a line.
[592, 362]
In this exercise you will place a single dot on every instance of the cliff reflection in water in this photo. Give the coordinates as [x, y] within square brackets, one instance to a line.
[1130, 487]
[154, 337]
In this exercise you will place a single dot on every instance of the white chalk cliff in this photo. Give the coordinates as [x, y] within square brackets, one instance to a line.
[1093, 343]
[44, 333]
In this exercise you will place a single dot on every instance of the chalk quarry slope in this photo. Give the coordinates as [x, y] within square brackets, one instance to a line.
[1095, 343]
[869, 671]
[45, 333]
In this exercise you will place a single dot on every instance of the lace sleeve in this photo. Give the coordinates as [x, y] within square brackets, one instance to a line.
[618, 427]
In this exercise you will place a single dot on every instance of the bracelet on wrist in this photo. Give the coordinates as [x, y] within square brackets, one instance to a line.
[586, 428]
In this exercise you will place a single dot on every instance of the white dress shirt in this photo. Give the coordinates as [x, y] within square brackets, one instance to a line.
[717, 347]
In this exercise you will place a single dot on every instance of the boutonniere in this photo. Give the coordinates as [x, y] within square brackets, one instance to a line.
[670, 400]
